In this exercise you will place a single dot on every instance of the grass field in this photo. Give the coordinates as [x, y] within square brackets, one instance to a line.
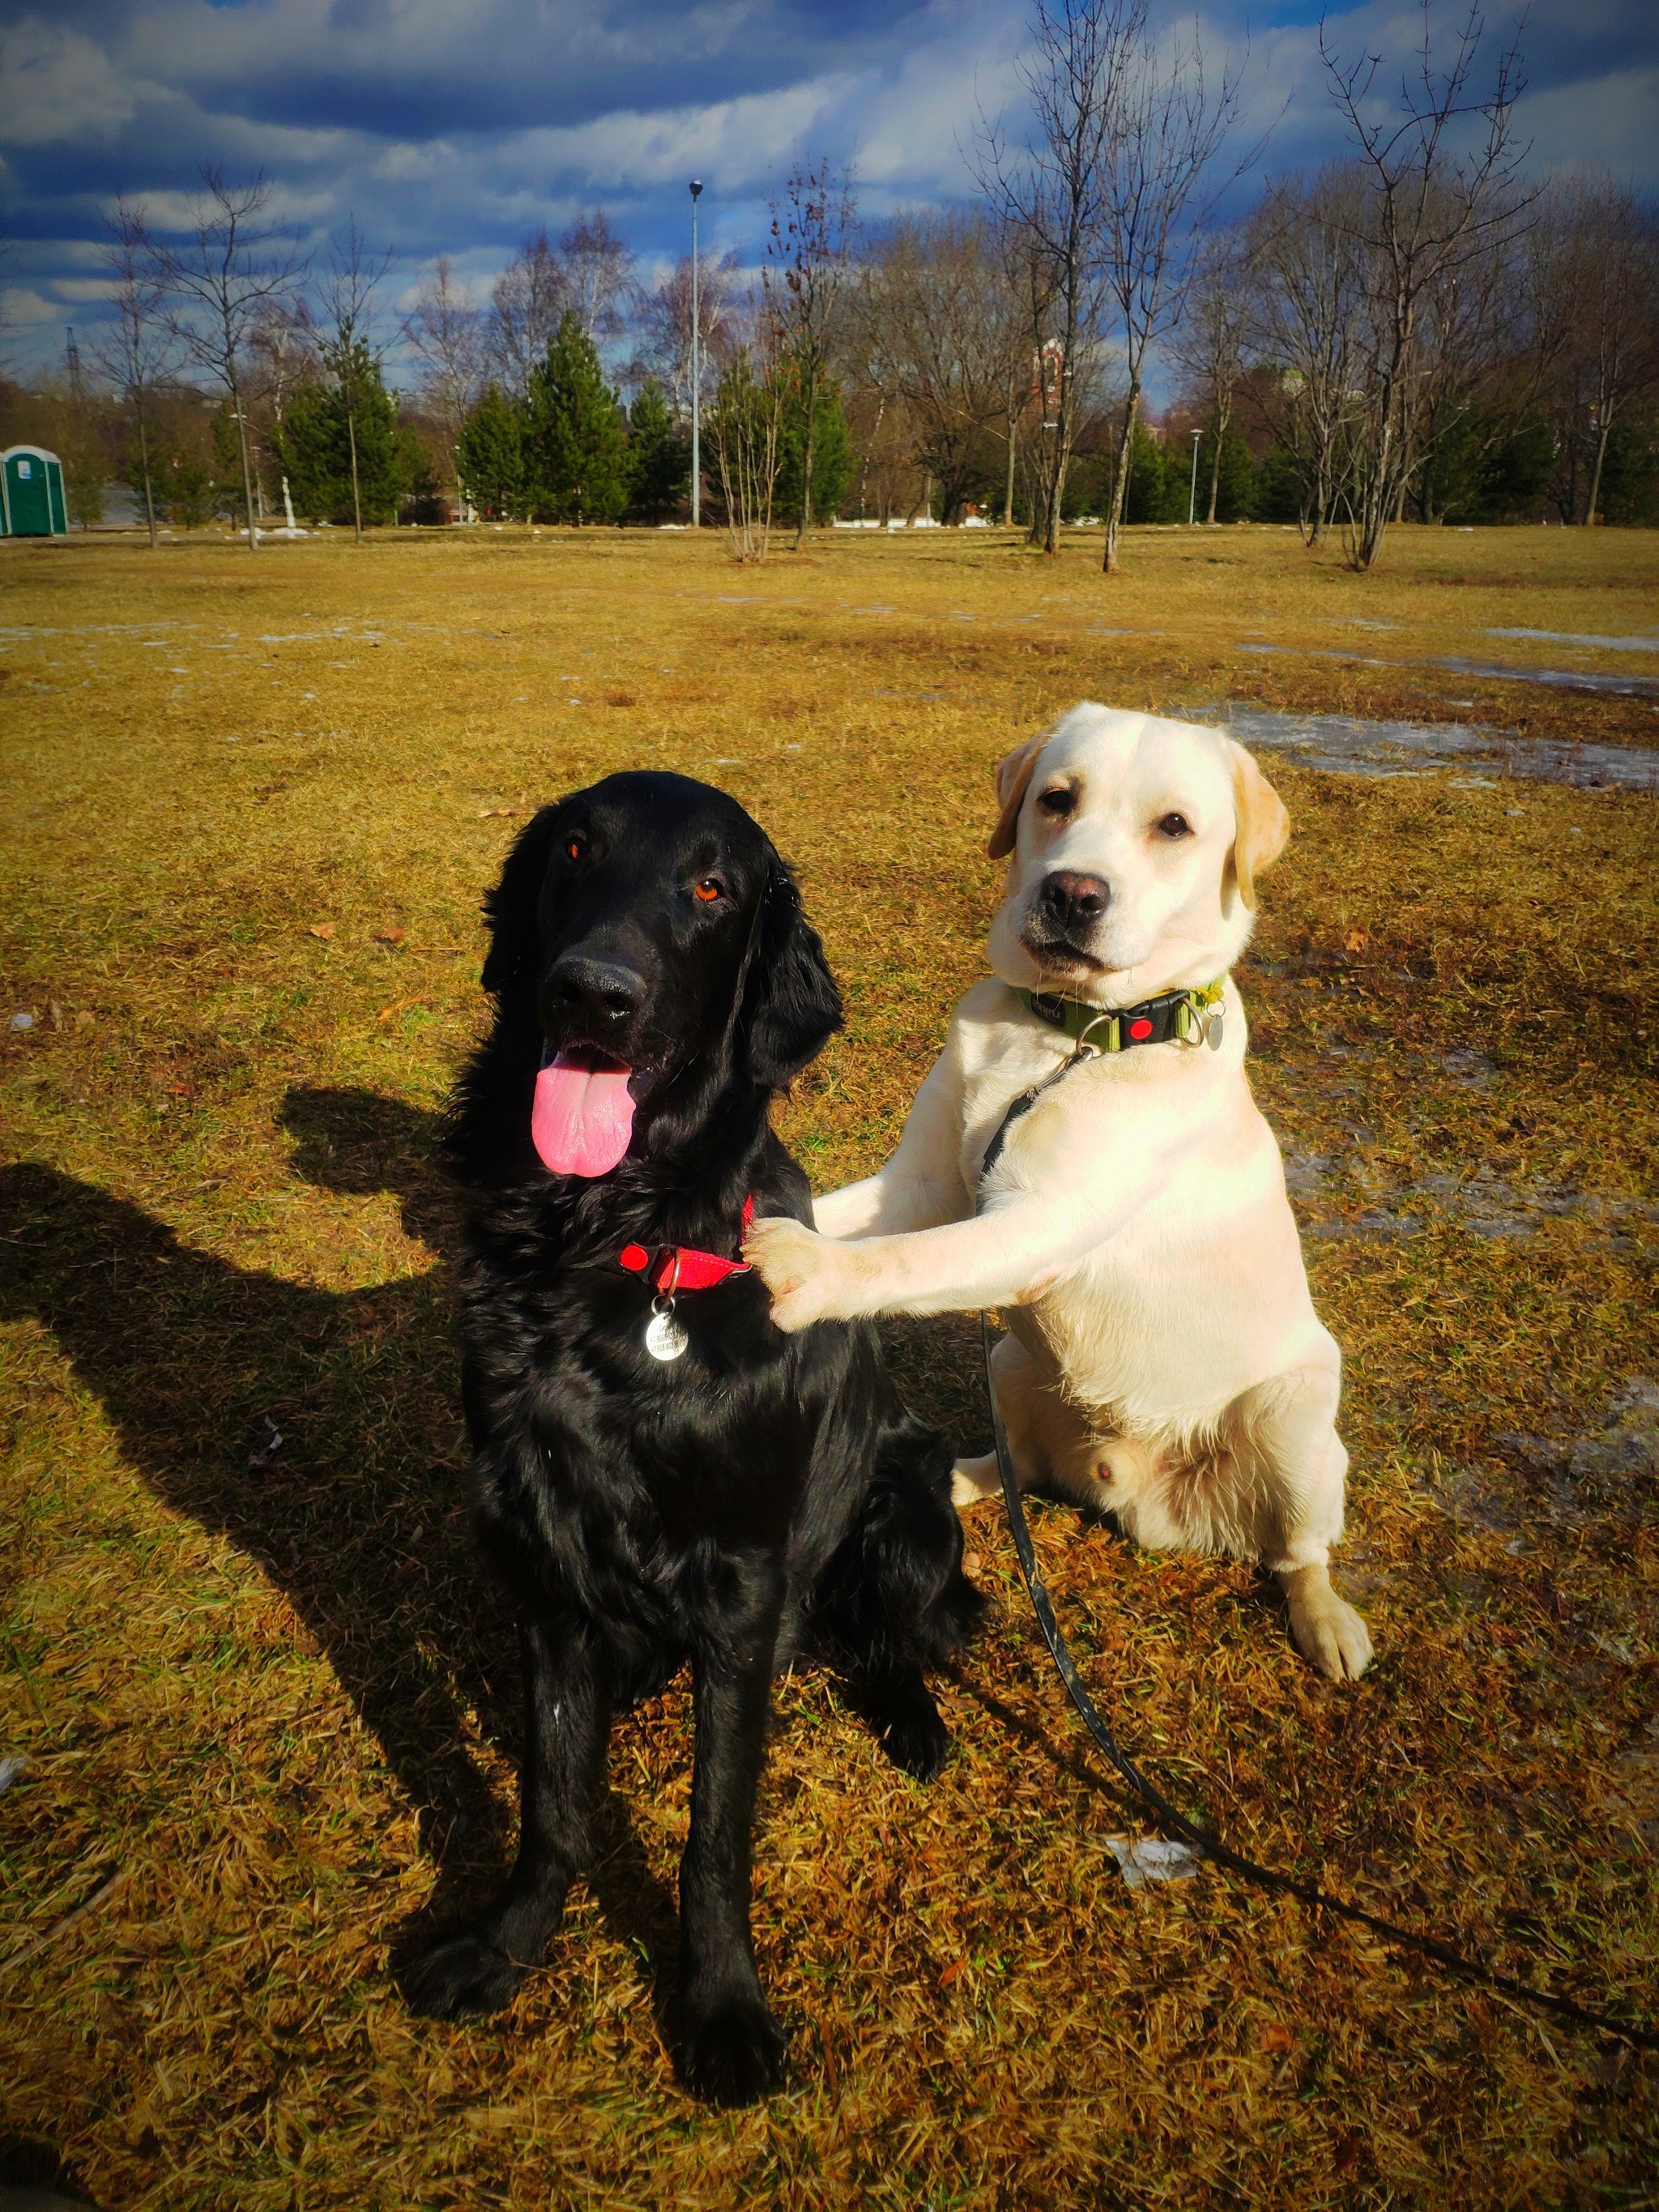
[251, 806]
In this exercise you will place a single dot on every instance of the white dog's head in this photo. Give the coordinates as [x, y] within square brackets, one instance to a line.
[1136, 843]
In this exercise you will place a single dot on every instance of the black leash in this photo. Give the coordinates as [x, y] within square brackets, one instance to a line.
[1211, 1846]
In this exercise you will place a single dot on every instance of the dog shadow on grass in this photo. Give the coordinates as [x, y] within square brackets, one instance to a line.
[360, 1514]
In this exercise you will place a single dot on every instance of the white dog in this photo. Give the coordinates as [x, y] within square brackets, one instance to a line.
[1166, 1361]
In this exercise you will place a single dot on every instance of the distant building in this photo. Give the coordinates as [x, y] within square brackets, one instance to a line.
[32, 494]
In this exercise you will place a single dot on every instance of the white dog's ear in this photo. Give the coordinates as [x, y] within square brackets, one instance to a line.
[1262, 819]
[1013, 777]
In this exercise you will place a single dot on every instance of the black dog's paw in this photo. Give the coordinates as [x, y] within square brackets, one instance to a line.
[918, 1741]
[901, 1708]
[734, 2055]
[464, 1973]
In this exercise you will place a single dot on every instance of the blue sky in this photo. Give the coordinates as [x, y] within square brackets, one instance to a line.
[458, 127]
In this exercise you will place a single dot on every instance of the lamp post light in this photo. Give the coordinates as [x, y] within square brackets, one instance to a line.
[1192, 495]
[696, 372]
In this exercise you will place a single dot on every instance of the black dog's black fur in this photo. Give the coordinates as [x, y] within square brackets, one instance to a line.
[760, 1496]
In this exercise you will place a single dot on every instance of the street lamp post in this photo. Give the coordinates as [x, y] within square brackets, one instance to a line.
[697, 373]
[1192, 495]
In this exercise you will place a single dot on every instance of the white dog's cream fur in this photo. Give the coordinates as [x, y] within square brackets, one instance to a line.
[1165, 1361]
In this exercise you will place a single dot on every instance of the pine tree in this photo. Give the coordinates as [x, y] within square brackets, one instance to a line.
[658, 457]
[832, 454]
[490, 452]
[313, 443]
[575, 458]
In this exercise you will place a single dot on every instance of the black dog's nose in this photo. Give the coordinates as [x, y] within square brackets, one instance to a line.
[604, 993]
[1073, 902]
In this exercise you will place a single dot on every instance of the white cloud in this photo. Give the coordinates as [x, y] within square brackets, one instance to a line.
[56, 86]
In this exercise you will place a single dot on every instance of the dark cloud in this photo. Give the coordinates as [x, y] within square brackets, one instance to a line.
[460, 125]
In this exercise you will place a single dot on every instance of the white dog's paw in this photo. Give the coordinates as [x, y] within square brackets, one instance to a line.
[1329, 1632]
[799, 1267]
[974, 1481]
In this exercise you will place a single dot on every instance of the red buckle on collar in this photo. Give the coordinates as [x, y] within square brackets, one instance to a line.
[682, 1266]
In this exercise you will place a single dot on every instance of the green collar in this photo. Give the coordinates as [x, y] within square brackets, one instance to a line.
[1182, 1017]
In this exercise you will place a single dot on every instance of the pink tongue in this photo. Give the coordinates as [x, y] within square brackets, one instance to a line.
[583, 1118]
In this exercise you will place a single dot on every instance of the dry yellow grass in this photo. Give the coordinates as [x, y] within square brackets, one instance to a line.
[251, 805]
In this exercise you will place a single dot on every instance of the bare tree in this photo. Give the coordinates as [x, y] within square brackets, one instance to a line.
[743, 432]
[530, 295]
[219, 283]
[597, 274]
[663, 350]
[349, 291]
[1600, 264]
[1049, 195]
[803, 280]
[140, 350]
[1164, 130]
[1211, 341]
[444, 330]
[943, 335]
[1431, 212]
[1309, 303]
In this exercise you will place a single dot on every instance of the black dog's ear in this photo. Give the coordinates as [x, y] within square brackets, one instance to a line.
[791, 1004]
[510, 908]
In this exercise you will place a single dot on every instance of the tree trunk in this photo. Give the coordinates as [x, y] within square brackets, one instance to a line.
[1215, 480]
[149, 497]
[806, 465]
[1595, 474]
[356, 499]
[1121, 481]
[1008, 487]
[247, 473]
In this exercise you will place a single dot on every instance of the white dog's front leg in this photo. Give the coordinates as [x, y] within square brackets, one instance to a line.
[1004, 1257]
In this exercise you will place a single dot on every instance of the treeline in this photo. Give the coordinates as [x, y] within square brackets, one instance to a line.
[1415, 332]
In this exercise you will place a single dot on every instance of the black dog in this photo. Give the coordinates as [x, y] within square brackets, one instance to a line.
[662, 1474]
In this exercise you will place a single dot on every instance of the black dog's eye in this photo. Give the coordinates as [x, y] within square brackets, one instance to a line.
[575, 846]
[708, 889]
[1059, 803]
[1175, 826]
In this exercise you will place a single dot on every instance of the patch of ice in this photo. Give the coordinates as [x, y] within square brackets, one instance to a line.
[1649, 644]
[1344, 744]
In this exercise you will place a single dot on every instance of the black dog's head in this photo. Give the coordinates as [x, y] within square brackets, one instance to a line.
[649, 951]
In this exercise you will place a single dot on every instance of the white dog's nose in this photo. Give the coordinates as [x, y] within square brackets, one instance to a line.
[1073, 902]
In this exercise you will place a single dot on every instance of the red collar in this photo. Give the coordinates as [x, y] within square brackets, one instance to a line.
[682, 1266]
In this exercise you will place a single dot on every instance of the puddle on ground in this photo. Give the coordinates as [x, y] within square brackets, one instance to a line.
[1649, 644]
[1343, 744]
[1556, 679]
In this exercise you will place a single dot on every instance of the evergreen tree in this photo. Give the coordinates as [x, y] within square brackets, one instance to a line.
[832, 453]
[659, 458]
[1235, 494]
[1279, 495]
[312, 445]
[490, 454]
[1147, 498]
[575, 457]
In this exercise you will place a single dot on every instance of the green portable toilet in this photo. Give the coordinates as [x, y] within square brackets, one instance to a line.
[32, 493]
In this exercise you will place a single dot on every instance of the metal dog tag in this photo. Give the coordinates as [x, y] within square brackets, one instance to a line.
[664, 1337]
[1213, 1029]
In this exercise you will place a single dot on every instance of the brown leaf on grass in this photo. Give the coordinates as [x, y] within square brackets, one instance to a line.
[1355, 941]
[490, 813]
[390, 936]
[950, 1973]
[399, 1007]
[1275, 2038]
[323, 929]
[84, 1019]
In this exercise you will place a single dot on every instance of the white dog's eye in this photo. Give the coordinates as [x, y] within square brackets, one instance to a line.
[1175, 826]
[1060, 802]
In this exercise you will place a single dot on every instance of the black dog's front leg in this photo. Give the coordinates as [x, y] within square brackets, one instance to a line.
[732, 2048]
[567, 1713]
